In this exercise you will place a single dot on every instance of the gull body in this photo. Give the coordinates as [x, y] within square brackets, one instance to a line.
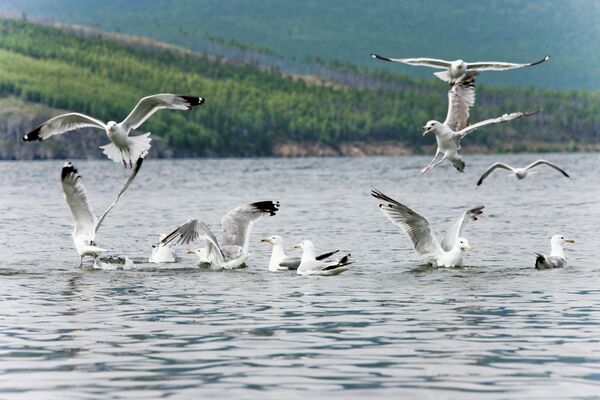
[454, 70]
[309, 265]
[448, 253]
[162, 253]
[122, 147]
[279, 261]
[520, 173]
[557, 258]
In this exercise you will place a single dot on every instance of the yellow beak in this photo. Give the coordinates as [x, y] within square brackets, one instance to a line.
[569, 241]
[191, 251]
[469, 248]
[265, 240]
[297, 246]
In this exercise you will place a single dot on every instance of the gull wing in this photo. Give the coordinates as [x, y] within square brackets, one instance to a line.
[61, 124]
[290, 262]
[138, 165]
[548, 163]
[500, 66]
[491, 169]
[237, 223]
[456, 229]
[492, 121]
[76, 197]
[425, 62]
[415, 225]
[151, 104]
[461, 97]
[191, 231]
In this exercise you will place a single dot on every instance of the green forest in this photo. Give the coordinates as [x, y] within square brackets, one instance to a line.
[251, 108]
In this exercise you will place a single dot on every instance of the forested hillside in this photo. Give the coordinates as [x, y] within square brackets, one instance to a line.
[509, 30]
[252, 110]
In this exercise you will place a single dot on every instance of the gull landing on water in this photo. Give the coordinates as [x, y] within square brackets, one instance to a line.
[123, 148]
[162, 253]
[86, 223]
[280, 261]
[310, 265]
[454, 70]
[232, 252]
[520, 173]
[449, 253]
[557, 257]
[448, 134]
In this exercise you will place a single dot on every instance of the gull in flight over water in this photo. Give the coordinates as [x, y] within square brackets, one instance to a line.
[454, 70]
[310, 265]
[557, 257]
[448, 134]
[123, 148]
[86, 223]
[448, 253]
[232, 252]
[280, 261]
[162, 253]
[520, 173]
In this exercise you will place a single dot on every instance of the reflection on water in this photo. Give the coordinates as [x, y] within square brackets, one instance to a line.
[388, 327]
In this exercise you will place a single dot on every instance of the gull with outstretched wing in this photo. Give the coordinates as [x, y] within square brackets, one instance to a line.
[520, 173]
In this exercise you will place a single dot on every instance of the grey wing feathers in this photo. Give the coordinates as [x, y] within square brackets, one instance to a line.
[546, 262]
[461, 97]
[76, 197]
[191, 231]
[61, 124]
[491, 169]
[426, 62]
[502, 119]
[138, 165]
[237, 222]
[290, 262]
[500, 66]
[151, 104]
[548, 163]
[456, 229]
[415, 225]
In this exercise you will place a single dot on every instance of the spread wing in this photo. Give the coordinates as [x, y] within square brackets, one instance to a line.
[192, 231]
[151, 104]
[461, 97]
[426, 62]
[456, 230]
[491, 169]
[238, 222]
[61, 124]
[414, 224]
[548, 163]
[134, 173]
[492, 121]
[500, 66]
[76, 197]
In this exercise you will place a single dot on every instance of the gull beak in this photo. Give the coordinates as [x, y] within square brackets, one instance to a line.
[265, 240]
[191, 251]
[569, 241]
[297, 246]
[425, 130]
[468, 247]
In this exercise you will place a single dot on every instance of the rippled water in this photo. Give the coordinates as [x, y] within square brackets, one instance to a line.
[388, 327]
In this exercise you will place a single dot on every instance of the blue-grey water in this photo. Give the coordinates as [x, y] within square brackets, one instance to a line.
[387, 328]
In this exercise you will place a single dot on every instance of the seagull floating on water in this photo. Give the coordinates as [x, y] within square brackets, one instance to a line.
[454, 70]
[557, 257]
[309, 265]
[123, 148]
[520, 173]
[232, 252]
[162, 253]
[448, 134]
[280, 261]
[449, 253]
[86, 223]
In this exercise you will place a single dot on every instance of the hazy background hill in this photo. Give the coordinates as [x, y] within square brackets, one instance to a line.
[511, 30]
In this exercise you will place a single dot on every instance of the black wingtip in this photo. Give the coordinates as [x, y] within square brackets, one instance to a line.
[193, 101]
[378, 57]
[33, 135]
[67, 169]
[546, 58]
[270, 207]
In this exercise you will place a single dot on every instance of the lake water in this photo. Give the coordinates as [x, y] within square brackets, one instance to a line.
[387, 328]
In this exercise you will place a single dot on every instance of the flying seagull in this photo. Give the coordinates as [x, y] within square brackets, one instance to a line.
[448, 253]
[162, 253]
[557, 257]
[123, 148]
[86, 223]
[454, 70]
[520, 173]
[310, 265]
[448, 134]
[280, 261]
[232, 252]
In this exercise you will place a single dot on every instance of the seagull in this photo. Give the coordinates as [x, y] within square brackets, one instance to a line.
[86, 223]
[448, 135]
[280, 261]
[520, 173]
[449, 253]
[557, 257]
[162, 253]
[232, 252]
[454, 70]
[310, 265]
[123, 148]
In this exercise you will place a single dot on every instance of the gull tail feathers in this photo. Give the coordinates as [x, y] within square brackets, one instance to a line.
[443, 75]
[136, 146]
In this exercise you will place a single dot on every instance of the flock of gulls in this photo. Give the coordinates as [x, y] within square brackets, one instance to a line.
[232, 250]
